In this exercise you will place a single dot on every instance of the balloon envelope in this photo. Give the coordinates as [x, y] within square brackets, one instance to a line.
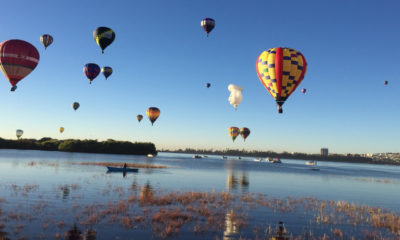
[303, 90]
[61, 129]
[208, 25]
[244, 132]
[107, 71]
[385, 82]
[17, 59]
[103, 36]
[91, 71]
[75, 105]
[233, 132]
[208, 85]
[46, 40]
[281, 70]
[235, 98]
[153, 113]
[19, 133]
[139, 117]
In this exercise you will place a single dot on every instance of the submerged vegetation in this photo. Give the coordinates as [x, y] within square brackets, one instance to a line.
[76, 145]
[143, 210]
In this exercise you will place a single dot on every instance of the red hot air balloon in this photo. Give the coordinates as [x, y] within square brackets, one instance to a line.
[17, 59]
[303, 90]
[91, 71]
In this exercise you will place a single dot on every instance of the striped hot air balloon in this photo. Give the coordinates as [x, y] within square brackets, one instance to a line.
[46, 40]
[153, 113]
[208, 25]
[17, 59]
[106, 71]
[233, 132]
[91, 71]
[281, 70]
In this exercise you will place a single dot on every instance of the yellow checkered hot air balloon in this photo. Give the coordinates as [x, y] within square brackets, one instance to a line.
[281, 70]
[233, 132]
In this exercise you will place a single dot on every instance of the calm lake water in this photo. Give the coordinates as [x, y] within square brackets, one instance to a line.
[44, 194]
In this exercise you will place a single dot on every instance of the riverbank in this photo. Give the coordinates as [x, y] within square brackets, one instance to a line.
[349, 158]
[85, 146]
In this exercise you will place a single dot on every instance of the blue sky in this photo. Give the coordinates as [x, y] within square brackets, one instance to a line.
[161, 57]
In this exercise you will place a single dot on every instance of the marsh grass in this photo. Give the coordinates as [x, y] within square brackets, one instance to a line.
[166, 214]
[120, 164]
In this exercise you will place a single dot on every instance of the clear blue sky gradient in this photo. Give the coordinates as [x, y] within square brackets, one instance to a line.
[161, 57]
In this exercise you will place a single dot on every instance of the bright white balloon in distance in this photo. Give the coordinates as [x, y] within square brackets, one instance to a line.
[236, 95]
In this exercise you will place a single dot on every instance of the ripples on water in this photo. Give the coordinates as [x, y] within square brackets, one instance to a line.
[47, 195]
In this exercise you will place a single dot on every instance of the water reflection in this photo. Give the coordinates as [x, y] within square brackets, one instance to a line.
[65, 191]
[3, 235]
[231, 231]
[146, 192]
[90, 234]
[74, 234]
[235, 182]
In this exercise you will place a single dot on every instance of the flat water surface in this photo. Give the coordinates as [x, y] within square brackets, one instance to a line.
[49, 195]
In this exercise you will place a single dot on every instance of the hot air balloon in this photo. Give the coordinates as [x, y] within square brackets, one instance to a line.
[19, 133]
[17, 59]
[140, 117]
[107, 71]
[153, 113]
[236, 95]
[303, 90]
[208, 25]
[208, 85]
[385, 82]
[103, 36]
[91, 71]
[75, 105]
[244, 132]
[61, 129]
[281, 70]
[233, 132]
[46, 40]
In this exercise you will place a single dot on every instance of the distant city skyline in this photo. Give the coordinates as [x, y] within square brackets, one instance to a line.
[161, 57]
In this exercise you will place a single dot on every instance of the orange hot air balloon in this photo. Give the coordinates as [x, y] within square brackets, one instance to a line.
[17, 59]
[244, 132]
[153, 113]
[281, 70]
[233, 132]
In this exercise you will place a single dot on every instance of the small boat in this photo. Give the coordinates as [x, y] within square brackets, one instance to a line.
[120, 169]
[257, 159]
[273, 160]
[239, 157]
[311, 163]
[197, 156]
[150, 155]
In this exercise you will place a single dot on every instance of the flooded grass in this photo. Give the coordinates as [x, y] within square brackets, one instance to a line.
[210, 215]
[120, 164]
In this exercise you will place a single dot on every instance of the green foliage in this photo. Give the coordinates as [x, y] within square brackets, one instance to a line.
[76, 145]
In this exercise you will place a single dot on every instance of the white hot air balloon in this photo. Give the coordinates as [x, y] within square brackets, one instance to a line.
[236, 95]
[19, 133]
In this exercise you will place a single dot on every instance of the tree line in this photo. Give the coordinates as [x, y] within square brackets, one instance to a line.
[86, 146]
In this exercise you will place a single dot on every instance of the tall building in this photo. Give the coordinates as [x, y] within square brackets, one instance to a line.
[324, 151]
